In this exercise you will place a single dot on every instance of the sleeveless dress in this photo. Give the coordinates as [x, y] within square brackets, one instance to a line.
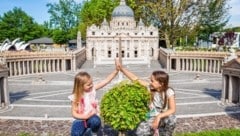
[166, 125]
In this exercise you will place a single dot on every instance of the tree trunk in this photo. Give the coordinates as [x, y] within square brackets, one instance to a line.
[167, 40]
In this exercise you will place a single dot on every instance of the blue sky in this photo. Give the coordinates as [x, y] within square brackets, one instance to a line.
[38, 9]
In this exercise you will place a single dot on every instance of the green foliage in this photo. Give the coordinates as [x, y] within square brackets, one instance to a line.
[24, 134]
[17, 24]
[59, 37]
[213, 17]
[192, 48]
[64, 15]
[223, 132]
[234, 29]
[125, 105]
[94, 12]
[173, 18]
[177, 19]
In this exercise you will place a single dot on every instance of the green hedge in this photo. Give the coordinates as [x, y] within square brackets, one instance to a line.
[125, 105]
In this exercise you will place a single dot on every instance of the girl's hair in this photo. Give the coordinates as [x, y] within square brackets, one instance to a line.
[80, 79]
[163, 79]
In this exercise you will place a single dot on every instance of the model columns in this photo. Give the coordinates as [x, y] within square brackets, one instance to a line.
[4, 94]
[231, 82]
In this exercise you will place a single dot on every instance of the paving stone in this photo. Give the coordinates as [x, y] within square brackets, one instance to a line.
[31, 101]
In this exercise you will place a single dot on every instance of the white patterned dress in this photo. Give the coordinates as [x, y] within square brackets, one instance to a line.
[166, 125]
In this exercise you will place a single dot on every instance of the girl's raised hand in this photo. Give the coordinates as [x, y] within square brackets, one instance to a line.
[118, 64]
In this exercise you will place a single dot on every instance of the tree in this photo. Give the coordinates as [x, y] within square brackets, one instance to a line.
[17, 24]
[64, 15]
[214, 16]
[175, 18]
[94, 12]
[59, 37]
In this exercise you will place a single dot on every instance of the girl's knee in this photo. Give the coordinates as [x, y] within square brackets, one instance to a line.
[77, 128]
[95, 120]
[94, 123]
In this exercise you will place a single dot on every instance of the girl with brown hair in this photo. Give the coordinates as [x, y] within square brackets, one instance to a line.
[160, 119]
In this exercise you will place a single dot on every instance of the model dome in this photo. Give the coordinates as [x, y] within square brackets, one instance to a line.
[122, 10]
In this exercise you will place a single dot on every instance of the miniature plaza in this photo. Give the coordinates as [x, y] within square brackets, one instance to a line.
[36, 99]
[37, 77]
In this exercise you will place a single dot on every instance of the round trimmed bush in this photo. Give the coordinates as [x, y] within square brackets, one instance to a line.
[125, 105]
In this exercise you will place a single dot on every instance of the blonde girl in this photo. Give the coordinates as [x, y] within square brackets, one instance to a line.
[84, 104]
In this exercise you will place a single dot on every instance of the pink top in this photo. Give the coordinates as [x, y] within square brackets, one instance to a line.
[87, 103]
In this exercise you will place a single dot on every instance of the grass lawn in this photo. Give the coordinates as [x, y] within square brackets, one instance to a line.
[222, 132]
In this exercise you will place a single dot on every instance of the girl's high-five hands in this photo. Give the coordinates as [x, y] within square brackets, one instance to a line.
[118, 64]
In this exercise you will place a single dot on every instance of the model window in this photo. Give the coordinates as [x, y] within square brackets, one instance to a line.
[93, 33]
[152, 52]
[135, 53]
[122, 54]
[109, 54]
[151, 33]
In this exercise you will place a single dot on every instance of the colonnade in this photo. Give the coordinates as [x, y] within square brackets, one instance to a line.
[23, 67]
[212, 65]
[206, 62]
[25, 63]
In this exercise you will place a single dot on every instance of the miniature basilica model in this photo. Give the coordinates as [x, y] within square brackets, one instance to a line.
[122, 37]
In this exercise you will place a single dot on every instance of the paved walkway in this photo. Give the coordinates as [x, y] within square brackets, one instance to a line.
[9, 127]
[39, 103]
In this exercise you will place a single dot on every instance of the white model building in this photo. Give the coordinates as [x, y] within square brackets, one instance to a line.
[135, 42]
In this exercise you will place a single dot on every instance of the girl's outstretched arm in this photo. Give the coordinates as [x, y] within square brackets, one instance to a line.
[129, 74]
[107, 80]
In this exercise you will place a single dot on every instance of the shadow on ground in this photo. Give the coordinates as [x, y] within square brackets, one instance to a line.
[235, 116]
[229, 108]
[18, 95]
[215, 93]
